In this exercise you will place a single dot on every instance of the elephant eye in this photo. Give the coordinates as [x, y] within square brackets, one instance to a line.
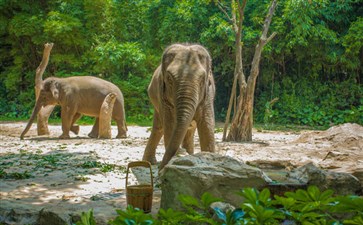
[168, 58]
[201, 58]
[169, 78]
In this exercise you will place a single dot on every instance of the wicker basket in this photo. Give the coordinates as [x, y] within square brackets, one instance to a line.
[140, 196]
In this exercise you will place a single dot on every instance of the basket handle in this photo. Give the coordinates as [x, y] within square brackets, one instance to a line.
[139, 164]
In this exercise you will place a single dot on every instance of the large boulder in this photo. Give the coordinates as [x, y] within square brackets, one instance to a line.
[340, 183]
[219, 175]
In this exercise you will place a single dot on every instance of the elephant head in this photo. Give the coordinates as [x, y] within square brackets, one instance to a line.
[186, 88]
[48, 95]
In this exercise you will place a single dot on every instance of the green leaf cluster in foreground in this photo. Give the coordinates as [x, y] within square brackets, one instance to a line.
[306, 207]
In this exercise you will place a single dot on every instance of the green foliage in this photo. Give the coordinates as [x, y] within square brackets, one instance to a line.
[313, 65]
[352, 42]
[171, 217]
[87, 218]
[198, 211]
[309, 206]
[258, 206]
[230, 217]
[15, 175]
[132, 216]
[104, 167]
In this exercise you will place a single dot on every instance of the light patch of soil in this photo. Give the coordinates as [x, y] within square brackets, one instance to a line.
[64, 175]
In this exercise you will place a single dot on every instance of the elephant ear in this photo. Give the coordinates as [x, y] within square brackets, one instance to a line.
[54, 89]
[167, 58]
[210, 79]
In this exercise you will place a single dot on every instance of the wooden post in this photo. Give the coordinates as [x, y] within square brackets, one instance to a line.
[104, 130]
[44, 113]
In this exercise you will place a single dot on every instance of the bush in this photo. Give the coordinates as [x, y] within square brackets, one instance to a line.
[311, 103]
[309, 206]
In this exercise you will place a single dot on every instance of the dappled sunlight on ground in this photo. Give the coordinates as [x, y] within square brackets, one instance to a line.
[80, 173]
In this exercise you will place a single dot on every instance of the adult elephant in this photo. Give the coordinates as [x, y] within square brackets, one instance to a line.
[79, 95]
[182, 91]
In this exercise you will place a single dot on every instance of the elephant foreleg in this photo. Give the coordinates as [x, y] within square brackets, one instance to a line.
[154, 139]
[188, 142]
[95, 128]
[206, 133]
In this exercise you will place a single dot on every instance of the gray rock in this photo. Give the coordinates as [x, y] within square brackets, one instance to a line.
[340, 183]
[17, 216]
[47, 217]
[219, 175]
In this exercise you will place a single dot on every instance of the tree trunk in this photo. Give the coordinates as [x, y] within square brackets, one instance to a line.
[44, 113]
[242, 122]
[238, 70]
[104, 128]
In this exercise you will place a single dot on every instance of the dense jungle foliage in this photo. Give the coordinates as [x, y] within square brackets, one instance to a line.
[313, 66]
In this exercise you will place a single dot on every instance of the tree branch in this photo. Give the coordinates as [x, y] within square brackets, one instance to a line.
[271, 37]
[220, 6]
[41, 68]
[268, 19]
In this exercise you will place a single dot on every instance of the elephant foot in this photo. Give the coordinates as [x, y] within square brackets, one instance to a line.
[42, 129]
[121, 136]
[151, 160]
[181, 152]
[43, 133]
[75, 129]
[93, 135]
[64, 136]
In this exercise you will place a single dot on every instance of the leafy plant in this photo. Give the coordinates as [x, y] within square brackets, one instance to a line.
[171, 217]
[87, 218]
[230, 217]
[132, 216]
[258, 205]
[309, 206]
[199, 211]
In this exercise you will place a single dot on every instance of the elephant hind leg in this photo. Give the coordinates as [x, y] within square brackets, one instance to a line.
[154, 139]
[75, 128]
[188, 142]
[67, 114]
[94, 131]
[122, 128]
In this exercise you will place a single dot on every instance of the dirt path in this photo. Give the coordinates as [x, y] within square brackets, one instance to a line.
[74, 175]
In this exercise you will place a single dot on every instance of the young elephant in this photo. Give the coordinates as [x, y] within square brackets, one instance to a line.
[182, 91]
[79, 95]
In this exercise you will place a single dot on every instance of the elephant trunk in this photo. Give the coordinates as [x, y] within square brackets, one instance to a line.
[36, 110]
[185, 110]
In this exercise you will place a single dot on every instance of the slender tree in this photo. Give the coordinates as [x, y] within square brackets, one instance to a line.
[242, 122]
[44, 113]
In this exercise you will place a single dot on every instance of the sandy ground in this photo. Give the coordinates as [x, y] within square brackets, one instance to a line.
[80, 173]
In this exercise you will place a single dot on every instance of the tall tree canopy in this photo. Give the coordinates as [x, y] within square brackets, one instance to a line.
[313, 65]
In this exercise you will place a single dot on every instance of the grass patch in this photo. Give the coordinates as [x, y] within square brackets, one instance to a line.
[104, 167]
[84, 120]
[15, 175]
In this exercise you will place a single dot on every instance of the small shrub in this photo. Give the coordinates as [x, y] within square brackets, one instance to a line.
[309, 206]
